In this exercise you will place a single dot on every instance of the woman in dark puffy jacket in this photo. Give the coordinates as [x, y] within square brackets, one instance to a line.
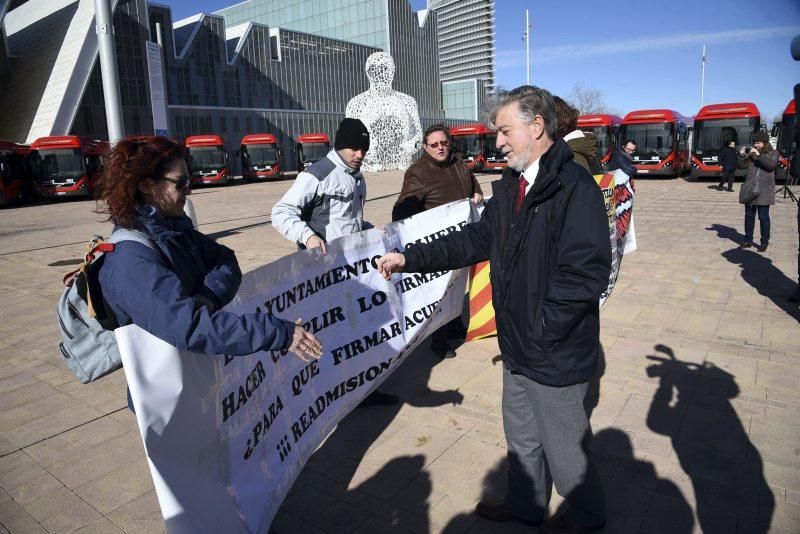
[177, 291]
[761, 161]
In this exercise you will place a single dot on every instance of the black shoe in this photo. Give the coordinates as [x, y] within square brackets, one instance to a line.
[794, 298]
[443, 349]
[762, 247]
[719, 187]
[747, 244]
[729, 190]
[379, 398]
[498, 511]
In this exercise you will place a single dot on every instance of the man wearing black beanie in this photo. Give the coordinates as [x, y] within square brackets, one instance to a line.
[326, 201]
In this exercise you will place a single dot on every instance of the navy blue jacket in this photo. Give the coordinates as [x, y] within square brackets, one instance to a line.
[621, 160]
[549, 265]
[164, 292]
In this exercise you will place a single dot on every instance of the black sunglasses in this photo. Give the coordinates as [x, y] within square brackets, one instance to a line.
[182, 183]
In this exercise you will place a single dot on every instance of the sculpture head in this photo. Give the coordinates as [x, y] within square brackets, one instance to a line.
[380, 70]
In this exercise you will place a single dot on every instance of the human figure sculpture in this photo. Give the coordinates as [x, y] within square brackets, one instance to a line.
[391, 117]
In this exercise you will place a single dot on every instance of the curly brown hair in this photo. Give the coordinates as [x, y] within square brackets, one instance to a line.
[567, 117]
[133, 160]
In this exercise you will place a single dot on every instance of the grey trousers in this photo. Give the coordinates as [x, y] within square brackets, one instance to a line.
[548, 436]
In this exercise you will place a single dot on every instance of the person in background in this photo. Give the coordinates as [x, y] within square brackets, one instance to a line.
[583, 145]
[760, 161]
[177, 289]
[438, 177]
[546, 227]
[729, 161]
[623, 158]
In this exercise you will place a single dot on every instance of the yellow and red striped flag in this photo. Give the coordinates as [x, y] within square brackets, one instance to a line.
[481, 311]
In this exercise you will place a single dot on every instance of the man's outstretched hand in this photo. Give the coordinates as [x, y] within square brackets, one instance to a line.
[391, 263]
[315, 241]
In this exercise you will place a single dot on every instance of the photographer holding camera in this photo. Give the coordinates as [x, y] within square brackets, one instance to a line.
[760, 160]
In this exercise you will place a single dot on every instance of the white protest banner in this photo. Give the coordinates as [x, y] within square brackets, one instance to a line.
[226, 437]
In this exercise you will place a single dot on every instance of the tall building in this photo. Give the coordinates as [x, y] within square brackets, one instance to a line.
[466, 54]
[220, 75]
[389, 25]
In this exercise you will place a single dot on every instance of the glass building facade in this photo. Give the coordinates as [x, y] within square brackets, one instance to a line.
[235, 77]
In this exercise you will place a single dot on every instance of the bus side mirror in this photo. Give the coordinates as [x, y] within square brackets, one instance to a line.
[775, 127]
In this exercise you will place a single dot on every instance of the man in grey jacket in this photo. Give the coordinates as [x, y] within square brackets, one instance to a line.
[327, 199]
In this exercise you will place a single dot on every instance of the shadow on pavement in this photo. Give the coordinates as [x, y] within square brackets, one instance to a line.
[397, 493]
[759, 271]
[692, 406]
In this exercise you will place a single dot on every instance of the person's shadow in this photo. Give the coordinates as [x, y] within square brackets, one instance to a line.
[692, 407]
[759, 271]
[336, 462]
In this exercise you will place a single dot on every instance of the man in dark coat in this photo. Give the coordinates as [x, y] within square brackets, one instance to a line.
[545, 231]
[437, 178]
[623, 158]
[729, 160]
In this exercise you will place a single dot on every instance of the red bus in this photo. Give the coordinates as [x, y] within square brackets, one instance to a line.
[15, 178]
[478, 146]
[606, 130]
[661, 141]
[714, 126]
[784, 130]
[66, 165]
[311, 148]
[260, 157]
[208, 160]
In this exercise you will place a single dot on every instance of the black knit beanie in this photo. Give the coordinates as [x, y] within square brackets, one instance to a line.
[761, 136]
[352, 134]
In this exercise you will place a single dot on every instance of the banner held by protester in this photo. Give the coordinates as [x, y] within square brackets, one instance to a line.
[226, 437]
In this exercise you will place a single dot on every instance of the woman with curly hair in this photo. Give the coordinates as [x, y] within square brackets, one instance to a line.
[176, 289]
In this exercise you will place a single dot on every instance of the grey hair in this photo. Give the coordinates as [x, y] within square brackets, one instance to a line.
[532, 101]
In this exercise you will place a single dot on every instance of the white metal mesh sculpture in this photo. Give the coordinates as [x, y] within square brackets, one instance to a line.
[390, 116]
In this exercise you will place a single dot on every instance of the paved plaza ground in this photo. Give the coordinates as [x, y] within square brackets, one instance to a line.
[696, 418]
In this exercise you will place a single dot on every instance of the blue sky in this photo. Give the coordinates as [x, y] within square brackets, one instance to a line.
[641, 54]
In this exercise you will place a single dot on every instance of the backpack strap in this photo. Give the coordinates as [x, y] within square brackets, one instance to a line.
[123, 234]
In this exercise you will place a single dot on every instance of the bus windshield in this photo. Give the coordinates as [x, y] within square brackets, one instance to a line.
[490, 147]
[786, 135]
[601, 133]
[207, 158]
[711, 135]
[653, 139]
[261, 155]
[468, 145]
[57, 163]
[313, 152]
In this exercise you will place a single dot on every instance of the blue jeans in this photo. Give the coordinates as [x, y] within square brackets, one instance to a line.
[750, 222]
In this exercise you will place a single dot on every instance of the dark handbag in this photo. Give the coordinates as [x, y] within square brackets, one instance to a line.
[750, 190]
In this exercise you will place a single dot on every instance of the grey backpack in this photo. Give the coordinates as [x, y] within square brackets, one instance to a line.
[88, 344]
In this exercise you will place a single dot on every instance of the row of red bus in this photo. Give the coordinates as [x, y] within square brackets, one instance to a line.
[68, 165]
[667, 143]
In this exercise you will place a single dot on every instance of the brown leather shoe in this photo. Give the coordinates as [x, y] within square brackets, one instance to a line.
[762, 247]
[747, 244]
[498, 511]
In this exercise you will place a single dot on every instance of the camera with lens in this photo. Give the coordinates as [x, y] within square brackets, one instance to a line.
[746, 148]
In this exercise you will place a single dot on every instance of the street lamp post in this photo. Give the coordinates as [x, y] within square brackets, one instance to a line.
[527, 37]
[108, 67]
[703, 62]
